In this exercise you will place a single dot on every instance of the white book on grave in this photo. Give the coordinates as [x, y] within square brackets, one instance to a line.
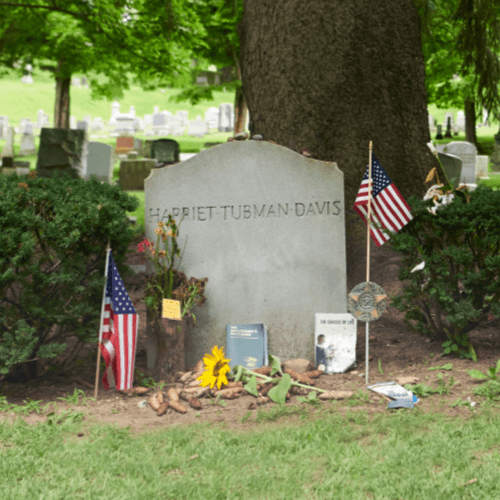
[335, 341]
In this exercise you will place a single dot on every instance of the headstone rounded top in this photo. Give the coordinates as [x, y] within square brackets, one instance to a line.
[367, 301]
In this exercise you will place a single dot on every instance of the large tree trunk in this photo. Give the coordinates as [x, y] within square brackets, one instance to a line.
[61, 108]
[240, 112]
[470, 121]
[329, 76]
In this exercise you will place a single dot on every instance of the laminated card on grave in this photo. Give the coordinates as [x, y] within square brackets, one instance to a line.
[335, 341]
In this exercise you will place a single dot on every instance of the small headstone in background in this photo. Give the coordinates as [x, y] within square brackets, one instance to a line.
[460, 121]
[22, 167]
[138, 145]
[82, 125]
[132, 155]
[72, 123]
[165, 151]
[432, 124]
[125, 123]
[124, 144]
[198, 128]
[100, 161]
[138, 124]
[212, 117]
[184, 117]
[27, 143]
[467, 152]
[226, 117]
[452, 165]
[439, 134]
[40, 122]
[448, 127]
[75, 81]
[62, 150]
[133, 173]
[4, 125]
[8, 149]
[482, 163]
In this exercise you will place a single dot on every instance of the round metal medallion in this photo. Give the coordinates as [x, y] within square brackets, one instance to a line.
[367, 302]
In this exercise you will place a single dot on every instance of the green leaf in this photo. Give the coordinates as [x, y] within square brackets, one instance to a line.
[448, 366]
[454, 347]
[498, 366]
[275, 363]
[477, 374]
[492, 373]
[238, 370]
[251, 386]
[312, 396]
[447, 351]
[278, 393]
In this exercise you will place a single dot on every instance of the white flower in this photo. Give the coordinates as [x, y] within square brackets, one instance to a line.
[419, 267]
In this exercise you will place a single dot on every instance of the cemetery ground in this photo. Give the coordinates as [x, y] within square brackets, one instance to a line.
[56, 441]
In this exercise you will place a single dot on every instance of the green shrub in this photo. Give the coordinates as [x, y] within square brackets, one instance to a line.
[53, 238]
[459, 286]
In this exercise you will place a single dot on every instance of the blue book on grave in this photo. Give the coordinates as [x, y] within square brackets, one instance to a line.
[246, 345]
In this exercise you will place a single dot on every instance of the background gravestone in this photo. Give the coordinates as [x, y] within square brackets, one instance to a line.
[99, 161]
[133, 172]
[266, 226]
[165, 151]
[467, 152]
[452, 166]
[62, 150]
[8, 149]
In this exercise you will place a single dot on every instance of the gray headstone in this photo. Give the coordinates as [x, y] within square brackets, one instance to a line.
[133, 173]
[4, 125]
[212, 117]
[82, 125]
[482, 163]
[62, 150]
[125, 123]
[99, 161]
[27, 144]
[226, 117]
[266, 226]
[8, 149]
[461, 121]
[165, 151]
[467, 152]
[198, 128]
[452, 166]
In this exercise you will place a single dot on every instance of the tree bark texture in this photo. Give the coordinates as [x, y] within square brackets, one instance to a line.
[330, 75]
[62, 104]
[470, 121]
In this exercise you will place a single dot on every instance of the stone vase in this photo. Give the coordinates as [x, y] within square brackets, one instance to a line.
[166, 345]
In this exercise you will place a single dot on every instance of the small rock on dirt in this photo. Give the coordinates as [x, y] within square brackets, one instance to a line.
[298, 365]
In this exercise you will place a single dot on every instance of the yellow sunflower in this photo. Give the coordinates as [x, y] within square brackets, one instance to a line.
[216, 368]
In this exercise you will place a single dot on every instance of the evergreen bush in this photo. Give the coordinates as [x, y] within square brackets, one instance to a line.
[459, 286]
[53, 238]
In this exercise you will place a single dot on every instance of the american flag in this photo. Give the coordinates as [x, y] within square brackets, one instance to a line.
[388, 209]
[120, 324]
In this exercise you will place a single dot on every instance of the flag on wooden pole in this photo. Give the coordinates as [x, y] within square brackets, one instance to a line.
[389, 211]
[119, 331]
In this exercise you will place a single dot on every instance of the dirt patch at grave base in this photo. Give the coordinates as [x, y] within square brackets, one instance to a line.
[401, 354]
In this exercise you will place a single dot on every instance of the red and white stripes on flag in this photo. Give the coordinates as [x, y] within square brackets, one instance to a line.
[388, 209]
[119, 332]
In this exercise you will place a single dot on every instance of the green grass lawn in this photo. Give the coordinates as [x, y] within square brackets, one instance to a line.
[324, 454]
